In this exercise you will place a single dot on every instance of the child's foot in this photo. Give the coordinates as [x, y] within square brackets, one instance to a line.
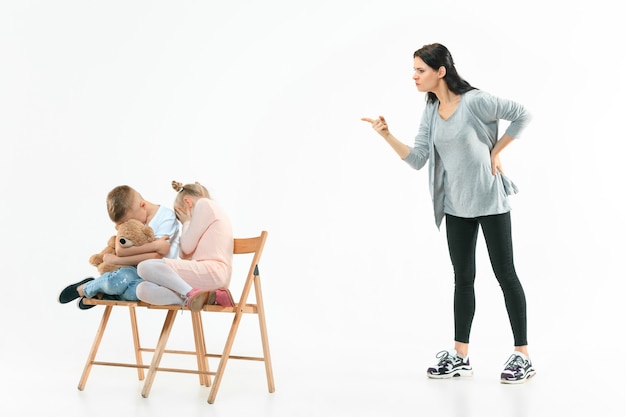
[81, 301]
[70, 293]
[84, 306]
[196, 299]
[517, 370]
[224, 298]
[211, 300]
[450, 365]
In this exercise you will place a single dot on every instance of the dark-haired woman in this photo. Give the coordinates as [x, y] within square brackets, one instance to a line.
[458, 137]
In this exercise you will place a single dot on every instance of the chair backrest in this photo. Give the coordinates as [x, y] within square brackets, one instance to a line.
[251, 245]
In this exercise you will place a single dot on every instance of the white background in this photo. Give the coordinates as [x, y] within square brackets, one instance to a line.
[261, 102]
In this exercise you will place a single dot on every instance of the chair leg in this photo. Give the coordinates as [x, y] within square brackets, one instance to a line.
[225, 355]
[94, 347]
[198, 335]
[158, 352]
[264, 339]
[137, 344]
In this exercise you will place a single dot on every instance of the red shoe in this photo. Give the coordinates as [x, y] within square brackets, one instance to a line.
[196, 299]
[224, 298]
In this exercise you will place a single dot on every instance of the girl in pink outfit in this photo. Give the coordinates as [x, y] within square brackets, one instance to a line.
[206, 255]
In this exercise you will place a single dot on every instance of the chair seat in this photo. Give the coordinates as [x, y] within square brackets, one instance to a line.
[98, 302]
[248, 308]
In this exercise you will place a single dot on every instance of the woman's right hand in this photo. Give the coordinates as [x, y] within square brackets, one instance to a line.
[379, 125]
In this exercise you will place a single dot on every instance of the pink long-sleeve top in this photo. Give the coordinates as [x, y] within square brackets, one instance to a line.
[208, 235]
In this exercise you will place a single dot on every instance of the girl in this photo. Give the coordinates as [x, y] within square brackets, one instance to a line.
[206, 254]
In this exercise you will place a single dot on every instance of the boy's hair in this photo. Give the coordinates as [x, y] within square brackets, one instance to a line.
[119, 201]
[194, 190]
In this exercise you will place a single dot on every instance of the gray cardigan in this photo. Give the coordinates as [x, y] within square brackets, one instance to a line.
[459, 138]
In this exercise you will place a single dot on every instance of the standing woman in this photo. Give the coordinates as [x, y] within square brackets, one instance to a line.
[206, 255]
[458, 136]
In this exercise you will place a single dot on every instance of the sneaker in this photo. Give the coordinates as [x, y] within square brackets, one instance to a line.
[196, 299]
[517, 370]
[450, 365]
[70, 293]
[84, 306]
[224, 298]
[81, 301]
[211, 300]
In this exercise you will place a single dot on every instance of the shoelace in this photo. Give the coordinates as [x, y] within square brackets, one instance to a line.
[444, 358]
[182, 306]
[514, 363]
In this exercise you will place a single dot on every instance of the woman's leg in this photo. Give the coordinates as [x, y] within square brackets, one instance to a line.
[462, 234]
[497, 232]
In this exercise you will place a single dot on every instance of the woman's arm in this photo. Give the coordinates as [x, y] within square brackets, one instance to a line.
[490, 108]
[502, 143]
[380, 126]
[415, 156]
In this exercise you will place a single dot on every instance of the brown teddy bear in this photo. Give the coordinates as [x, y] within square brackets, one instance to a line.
[130, 233]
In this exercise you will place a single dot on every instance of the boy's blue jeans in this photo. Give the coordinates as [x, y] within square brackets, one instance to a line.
[121, 283]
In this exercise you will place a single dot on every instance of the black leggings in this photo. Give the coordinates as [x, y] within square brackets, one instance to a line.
[462, 234]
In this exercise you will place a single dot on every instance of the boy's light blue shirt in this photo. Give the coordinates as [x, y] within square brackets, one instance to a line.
[165, 223]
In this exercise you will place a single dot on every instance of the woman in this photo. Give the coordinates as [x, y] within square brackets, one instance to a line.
[206, 252]
[458, 136]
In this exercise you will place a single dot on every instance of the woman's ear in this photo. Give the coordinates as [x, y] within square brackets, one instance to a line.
[441, 72]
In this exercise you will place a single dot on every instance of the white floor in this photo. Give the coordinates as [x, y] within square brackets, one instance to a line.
[332, 368]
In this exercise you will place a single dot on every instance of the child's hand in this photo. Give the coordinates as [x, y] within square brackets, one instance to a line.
[110, 258]
[183, 214]
[163, 245]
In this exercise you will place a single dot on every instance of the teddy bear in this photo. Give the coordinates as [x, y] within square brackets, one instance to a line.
[130, 233]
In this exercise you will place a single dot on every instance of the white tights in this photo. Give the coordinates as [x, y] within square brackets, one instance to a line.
[161, 285]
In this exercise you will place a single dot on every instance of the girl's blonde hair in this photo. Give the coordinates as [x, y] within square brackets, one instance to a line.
[189, 190]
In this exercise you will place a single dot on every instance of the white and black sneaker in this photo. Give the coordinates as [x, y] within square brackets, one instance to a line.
[517, 370]
[450, 365]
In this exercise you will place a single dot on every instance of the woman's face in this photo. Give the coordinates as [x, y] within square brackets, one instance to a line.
[426, 79]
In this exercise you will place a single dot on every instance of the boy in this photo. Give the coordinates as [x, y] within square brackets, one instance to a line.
[125, 203]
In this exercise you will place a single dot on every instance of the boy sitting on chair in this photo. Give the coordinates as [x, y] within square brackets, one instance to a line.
[125, 203]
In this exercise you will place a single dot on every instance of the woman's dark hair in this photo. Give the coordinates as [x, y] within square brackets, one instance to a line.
[435, 56]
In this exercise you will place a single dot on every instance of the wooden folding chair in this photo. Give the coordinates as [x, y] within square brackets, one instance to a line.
[253, 246]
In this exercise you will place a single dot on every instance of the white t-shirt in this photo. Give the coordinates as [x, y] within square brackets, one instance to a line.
[165, 223]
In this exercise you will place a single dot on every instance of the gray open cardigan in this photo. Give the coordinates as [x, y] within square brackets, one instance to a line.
[485, 111]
